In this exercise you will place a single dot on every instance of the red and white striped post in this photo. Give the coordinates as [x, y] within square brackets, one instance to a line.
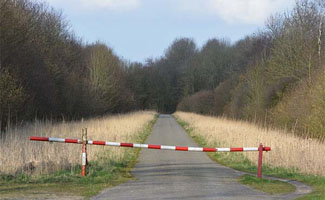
[84, 152]
[260, 158]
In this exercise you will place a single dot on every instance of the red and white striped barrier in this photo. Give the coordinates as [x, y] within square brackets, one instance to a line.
[149, 146]
[84, 143]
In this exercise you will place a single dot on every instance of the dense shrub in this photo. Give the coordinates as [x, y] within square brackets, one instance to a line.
[223, 94]
[303, 109]
[201, 102]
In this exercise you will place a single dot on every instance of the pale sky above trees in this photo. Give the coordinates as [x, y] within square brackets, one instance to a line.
[140, 29]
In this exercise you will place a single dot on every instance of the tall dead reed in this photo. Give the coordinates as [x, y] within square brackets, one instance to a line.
[19, 155]
[289, 151]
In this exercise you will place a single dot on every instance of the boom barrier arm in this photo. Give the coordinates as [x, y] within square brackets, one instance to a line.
[84, 142]
[149, 146]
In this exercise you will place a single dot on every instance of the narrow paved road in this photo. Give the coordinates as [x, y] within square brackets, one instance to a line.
[180, 175]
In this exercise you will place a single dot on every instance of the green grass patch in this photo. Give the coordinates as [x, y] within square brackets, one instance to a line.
[267, 185]
[101, 174]
[239, 162]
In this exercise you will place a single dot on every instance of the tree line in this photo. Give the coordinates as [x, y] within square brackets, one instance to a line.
[46, 71]
[276, 74]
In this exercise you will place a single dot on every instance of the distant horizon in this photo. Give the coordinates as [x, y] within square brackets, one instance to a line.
[138, 30]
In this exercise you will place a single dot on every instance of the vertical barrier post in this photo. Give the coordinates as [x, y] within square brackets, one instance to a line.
[84, 152]
[260, 158]
[86, 146]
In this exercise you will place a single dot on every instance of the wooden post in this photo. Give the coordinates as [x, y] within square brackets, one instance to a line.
[84, 152]
[260, 158]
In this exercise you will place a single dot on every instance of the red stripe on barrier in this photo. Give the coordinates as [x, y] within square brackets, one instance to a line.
[209, 149]
[236, 149]
[267, 149]
[181, 148]
[71, 140]
[152, 146]
[126, 145]
[99, 142]
[39, 138]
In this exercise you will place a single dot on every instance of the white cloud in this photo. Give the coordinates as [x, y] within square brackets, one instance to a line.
[247, 11]
[236, 11]
[114, 5]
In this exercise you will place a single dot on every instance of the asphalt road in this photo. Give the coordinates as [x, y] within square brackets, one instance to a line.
[163, 174]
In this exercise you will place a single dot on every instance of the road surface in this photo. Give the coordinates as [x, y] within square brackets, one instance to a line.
[162, 174]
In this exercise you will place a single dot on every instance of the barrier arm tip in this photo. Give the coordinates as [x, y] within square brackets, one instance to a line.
[36, 138]
[267, 149]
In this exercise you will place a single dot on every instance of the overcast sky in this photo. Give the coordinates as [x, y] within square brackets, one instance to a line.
[140, 29]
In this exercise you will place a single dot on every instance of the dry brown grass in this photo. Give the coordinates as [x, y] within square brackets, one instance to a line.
[288, 151]
[17, 153]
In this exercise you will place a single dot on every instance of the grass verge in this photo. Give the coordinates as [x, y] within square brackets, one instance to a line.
[239, 162]
[266, 185]
[101, 174]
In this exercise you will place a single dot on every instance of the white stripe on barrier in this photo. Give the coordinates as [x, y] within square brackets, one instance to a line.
[56, 139]
[113, 144]
[250, 148]
[140, 146]
[90, 142]
[84, 158]
[168, 147]
[223, 149]
[195, 149]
